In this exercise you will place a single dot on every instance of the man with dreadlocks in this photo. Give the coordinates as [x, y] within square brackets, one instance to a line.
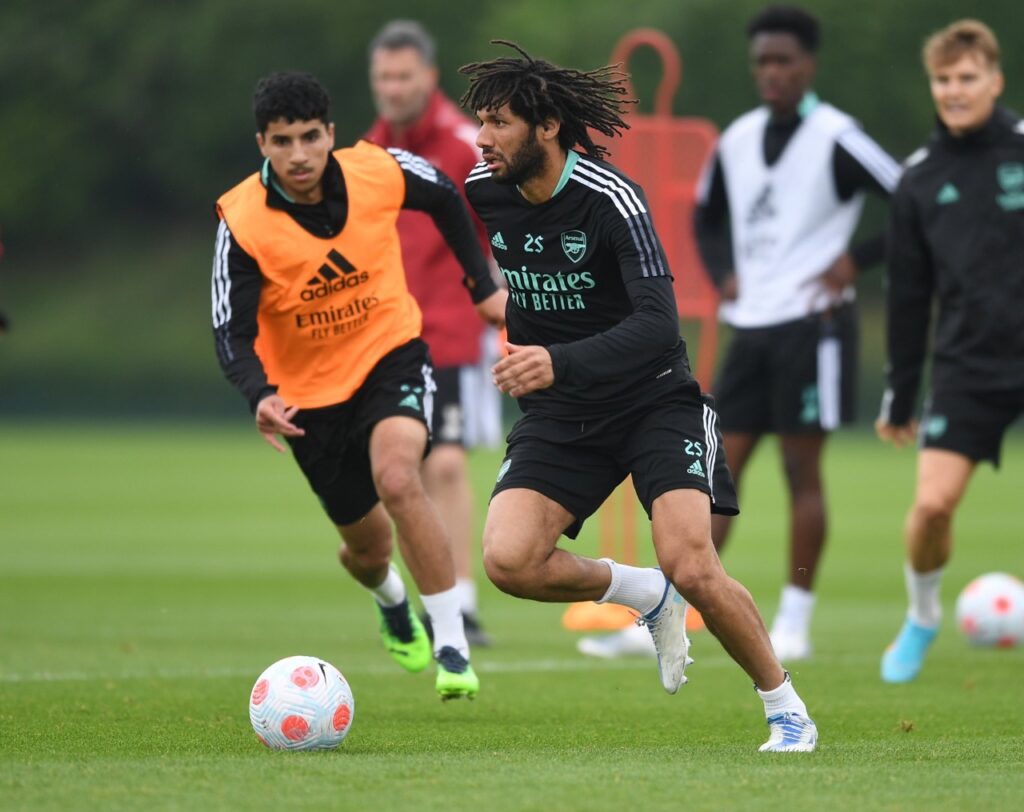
[601, 375]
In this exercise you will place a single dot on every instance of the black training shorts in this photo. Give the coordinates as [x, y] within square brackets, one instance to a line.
[790, 378]
[334, 454]
[666, 445]
[969, 423]
[449, 418]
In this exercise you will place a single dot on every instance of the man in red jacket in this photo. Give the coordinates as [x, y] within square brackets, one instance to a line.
[415, 115]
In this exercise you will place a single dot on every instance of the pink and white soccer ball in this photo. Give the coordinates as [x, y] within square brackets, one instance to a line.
[990, 610]
[301, 703]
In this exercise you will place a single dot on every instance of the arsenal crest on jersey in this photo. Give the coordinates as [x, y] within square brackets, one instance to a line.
[574, 243]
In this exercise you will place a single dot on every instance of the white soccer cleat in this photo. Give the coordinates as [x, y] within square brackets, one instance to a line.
[790, 646]
[790, 733]
[633, 641]
[667, 625]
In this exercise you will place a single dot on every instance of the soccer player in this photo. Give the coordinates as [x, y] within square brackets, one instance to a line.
[602, 378]
[777, 205]
[956, 238]
[415, 115]
[315, 326]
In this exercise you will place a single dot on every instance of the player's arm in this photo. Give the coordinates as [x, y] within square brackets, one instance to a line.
[429, 190]
[712, 229]
[908, 317]
[236, 297]
[653, 326]
[859, 164]
[652, 329]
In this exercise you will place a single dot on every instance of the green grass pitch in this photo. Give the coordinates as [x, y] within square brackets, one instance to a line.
[148, 574]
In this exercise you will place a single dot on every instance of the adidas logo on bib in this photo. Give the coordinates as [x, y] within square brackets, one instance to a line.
[695, 468]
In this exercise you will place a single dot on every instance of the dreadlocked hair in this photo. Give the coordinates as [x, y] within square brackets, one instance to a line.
[536, 90]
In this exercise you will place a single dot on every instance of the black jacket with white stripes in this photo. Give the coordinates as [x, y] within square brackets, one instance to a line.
[587, 279]
[235, 338]
[858, 165]
[957, 236]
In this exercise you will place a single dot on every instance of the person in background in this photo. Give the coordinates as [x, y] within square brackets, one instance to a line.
[413, 114]
[956, 240]
[777, 206]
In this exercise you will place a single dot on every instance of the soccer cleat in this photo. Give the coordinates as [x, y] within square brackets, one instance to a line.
[667, 625]
[633, 641]
[455, 676]
[404, 636]
[904, 657]
[790, 733]
[475, 634]
[790, 646]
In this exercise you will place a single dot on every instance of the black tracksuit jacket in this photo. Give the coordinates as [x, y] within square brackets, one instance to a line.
[957, 238]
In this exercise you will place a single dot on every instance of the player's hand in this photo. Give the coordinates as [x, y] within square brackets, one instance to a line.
[839, 275]
[899, 436]
[273, 417]
[730, 288]
[523, 370]
[492, 309]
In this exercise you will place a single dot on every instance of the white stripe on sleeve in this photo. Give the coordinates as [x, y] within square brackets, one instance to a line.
[221, 283]
[871, 156]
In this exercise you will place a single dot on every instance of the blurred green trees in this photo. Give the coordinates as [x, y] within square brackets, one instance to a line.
[121, 122]
[117, 109]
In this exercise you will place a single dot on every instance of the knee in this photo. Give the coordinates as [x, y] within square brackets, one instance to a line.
[693, 584]
[804, 478]
[364, 559]
[696, 578]
[446, 467]
[506, 570]
[934, 509]
[395, 483]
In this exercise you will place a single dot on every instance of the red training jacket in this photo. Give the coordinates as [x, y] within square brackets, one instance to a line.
[451, 327]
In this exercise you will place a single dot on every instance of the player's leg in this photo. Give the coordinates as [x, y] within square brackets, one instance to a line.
[334, 461]
[942, 479]
[801, 462]
[446, 477]
[396, 450]
[813, 367]
[366, 553]
[520, 553]
[681, 524]
[739, 447]
[958, 430]
[681, 476]
[521, 558]
[742, 392]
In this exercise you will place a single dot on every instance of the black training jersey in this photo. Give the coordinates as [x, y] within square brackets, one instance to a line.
[588, 280]
[957, 237]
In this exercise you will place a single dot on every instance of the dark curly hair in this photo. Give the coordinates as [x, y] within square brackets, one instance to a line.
[291, 95]
[787, 20]
[537, 90]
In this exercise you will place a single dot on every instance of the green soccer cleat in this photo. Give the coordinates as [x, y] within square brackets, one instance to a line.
[455, 676]
[404, 636]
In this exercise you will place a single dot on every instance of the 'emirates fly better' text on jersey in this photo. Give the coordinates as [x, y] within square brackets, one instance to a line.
[588, 280]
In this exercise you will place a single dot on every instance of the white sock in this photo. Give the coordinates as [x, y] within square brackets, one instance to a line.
[783, 699]
[446, 618]
[391, 591]
[795, 608]
[638, 588]
[466, 589]
[923, 592]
